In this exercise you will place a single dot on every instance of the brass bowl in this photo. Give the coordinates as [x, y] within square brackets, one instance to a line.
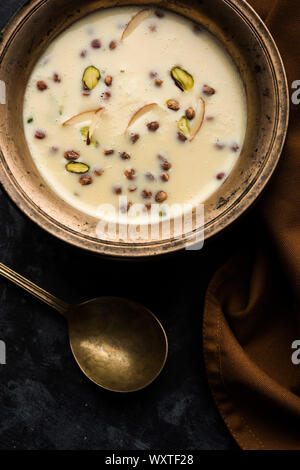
[250, 44]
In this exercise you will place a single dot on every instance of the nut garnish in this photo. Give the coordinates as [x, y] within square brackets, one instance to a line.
[77, 167]
[165, 176]
[161, 196]
[219, 145]
[173, 104]
[208, 90]
[165, 165]
[125, 156]
[85, 132]
[181, 136]
[199, 117]
[91, 77]
[132, 188]
[108, 80]
[134, 138]
[153, 126]
[135, 22]
[146, 194]
[183, 125]
[71, 155]
[158, 82]
[150, 176]
[84, 180]
[108, 152]
[98, 172]
[117, 189]
[235, 147]
[40, 135]
[182, 78]
[190, 113]
[112, 45]
[130, 174]
[41, 85]
[106, 95]
[96, 44]
[139, 113]
[56, 78]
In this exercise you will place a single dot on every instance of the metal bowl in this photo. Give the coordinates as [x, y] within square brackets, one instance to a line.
[250, 44]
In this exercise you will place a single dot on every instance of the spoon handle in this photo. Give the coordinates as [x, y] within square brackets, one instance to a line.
[33, 289]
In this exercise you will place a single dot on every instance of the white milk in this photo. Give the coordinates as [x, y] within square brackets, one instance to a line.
[174, 42]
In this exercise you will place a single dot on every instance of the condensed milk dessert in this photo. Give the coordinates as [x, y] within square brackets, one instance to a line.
[137, 105]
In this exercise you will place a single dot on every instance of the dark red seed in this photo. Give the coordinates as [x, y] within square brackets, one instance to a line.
[220, 176]
[56, 77]
[125, 156]
[130, 174]
[106, 95]
[134, 138]
[152, 74]
[181, 136]
[108, 152]
[86, 92]
[219, 145]
[153, 126]
[98, 172]
[112, 45]
[71, 155]
[96, 43]
[40, 135]
[117, 189]
[150, 176]
[146, 194]
[84, 180]
[83, 53]
[235, 147]
[41, 85]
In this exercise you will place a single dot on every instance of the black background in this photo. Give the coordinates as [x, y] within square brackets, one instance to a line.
[45, 401]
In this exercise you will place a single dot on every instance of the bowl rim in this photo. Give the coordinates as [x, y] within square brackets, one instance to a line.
[159, 247]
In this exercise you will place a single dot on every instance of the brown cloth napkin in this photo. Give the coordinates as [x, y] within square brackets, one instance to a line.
[252, 313]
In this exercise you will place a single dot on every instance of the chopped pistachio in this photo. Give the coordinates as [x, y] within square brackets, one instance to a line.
[182, 78]
[77, 167]
[183, 125]
[91, 77]
[84, 131]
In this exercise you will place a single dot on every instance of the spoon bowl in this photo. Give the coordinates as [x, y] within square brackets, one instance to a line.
[119, 344]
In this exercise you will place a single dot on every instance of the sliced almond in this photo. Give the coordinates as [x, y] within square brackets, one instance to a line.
[139, 113]
[95, 122]
[135, 21]
[198, 120]
[81, 117]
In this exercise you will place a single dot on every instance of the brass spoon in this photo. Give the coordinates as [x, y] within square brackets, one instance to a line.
[118, 344]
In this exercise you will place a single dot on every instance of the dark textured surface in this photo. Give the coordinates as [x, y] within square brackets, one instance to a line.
[45, 401]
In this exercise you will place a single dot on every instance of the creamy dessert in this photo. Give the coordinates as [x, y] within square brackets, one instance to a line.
[135, 103]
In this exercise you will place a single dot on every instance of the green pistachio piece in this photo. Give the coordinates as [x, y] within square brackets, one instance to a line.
[91, 77]
[85, 134]
[77, 167]
[183, 125]
[182, 78]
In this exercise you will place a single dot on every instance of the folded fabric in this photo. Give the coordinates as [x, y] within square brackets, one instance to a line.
[252, 315]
